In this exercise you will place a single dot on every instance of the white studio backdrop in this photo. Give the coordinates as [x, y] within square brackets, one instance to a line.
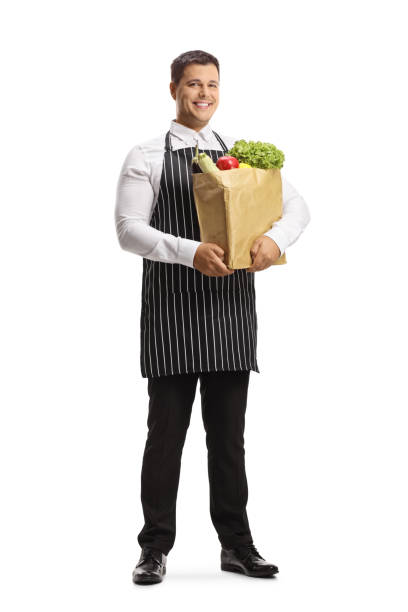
[83, 82]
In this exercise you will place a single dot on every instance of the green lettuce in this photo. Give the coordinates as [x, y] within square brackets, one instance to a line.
[257, 154]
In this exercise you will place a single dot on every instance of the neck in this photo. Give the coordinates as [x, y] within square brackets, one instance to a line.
[191, 123]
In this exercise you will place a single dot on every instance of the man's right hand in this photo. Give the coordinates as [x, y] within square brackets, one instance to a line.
[209, 259]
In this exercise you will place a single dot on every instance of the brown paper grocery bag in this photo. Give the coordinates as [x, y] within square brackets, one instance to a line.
[235, 207]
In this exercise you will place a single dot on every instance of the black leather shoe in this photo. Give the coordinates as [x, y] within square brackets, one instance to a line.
[246, 560]
[151, 566]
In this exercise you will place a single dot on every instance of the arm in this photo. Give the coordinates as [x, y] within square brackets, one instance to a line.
[133, 210]
[295, 217]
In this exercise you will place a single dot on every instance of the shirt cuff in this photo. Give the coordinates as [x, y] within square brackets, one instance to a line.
[187, 250]
[278, 235]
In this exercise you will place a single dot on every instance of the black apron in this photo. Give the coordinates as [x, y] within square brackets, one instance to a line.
[191, 322]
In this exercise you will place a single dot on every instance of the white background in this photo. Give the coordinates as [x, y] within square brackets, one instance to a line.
[83, 82]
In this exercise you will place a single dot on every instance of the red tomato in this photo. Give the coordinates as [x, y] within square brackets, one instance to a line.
[227, 163]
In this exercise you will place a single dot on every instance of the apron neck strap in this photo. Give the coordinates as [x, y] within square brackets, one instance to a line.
[220, 140]
[168, 143]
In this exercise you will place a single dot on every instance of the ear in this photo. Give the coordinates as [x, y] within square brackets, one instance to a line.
[172, 87]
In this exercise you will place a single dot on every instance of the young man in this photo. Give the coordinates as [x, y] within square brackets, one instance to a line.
[198, 321]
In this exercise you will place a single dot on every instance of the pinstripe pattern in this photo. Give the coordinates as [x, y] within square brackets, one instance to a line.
[191, 322]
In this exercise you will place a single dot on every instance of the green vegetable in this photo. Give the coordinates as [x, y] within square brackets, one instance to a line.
[257, 154]
[204, 162]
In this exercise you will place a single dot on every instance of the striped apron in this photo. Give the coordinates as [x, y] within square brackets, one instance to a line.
[191, 322]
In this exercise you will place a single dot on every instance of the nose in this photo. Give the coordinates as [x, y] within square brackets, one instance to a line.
[204, 92]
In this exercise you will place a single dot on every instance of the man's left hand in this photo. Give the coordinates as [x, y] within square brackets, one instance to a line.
[264, 253]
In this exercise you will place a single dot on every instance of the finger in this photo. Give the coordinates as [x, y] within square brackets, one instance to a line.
[219, 251]
[255, 249]
[222, 269]
[257, 264]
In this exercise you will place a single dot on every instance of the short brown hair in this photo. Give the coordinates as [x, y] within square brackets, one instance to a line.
[191, 57]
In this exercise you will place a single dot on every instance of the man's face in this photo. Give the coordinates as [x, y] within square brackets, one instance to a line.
[198, 83]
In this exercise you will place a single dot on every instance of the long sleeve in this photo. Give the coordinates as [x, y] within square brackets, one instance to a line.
[133, 210]
[295, 217]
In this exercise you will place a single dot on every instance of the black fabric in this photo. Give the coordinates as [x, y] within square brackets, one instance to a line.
[191, 322]
[223, 405]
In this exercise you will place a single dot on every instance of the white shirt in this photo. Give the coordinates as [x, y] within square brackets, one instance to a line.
[138, 190]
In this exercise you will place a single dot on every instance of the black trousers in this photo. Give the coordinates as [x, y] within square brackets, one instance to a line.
[223, 405]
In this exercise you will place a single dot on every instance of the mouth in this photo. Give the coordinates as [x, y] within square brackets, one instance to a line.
[203, 105]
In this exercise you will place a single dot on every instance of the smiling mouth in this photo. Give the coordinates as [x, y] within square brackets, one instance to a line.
[202, 105]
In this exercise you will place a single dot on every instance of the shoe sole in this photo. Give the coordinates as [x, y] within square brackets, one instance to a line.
[227, 567]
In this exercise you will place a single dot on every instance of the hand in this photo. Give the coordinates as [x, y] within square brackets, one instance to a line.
[209, 259]
[264, 253]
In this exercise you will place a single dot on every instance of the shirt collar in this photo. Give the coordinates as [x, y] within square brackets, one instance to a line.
[187, 134]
